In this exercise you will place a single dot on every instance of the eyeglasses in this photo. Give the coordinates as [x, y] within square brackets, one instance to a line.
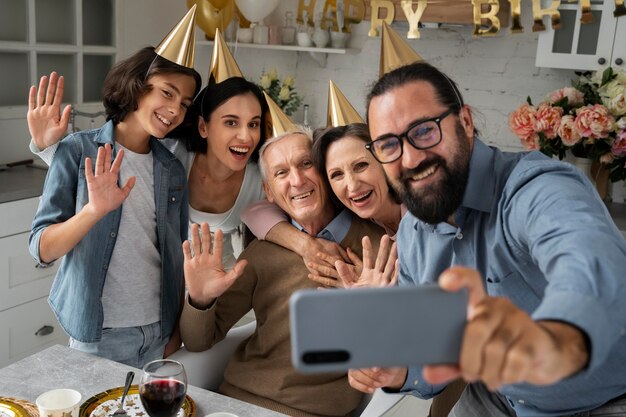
[424, 134]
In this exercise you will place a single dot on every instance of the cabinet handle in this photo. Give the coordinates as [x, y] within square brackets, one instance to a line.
[601, 61]
[619, 61]
[44, 331]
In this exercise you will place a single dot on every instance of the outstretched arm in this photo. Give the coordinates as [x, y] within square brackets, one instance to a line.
[504, 345]
[268, 222]
[46, 122]
[105, 195]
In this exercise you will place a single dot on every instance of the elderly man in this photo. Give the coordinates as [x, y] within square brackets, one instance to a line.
[263, 279]
[542, 260]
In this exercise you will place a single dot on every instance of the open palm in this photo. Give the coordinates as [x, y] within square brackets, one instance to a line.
[105, 195]
[46, 123]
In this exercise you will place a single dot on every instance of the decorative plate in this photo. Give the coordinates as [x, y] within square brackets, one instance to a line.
[11, 407]
[105, 403]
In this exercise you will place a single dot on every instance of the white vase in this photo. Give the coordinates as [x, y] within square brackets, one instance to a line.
[584, 164]
[320, 37]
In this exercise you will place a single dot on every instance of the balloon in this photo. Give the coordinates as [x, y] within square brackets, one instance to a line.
[219, 4]
[256, 10]
[208, 18]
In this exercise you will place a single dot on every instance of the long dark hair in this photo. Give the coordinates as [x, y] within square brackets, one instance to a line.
[213, 96]
[127, 82]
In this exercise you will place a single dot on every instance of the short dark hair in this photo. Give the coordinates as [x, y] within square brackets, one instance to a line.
[214, 95]
[447, 91]
[323, 138]
[127, 82]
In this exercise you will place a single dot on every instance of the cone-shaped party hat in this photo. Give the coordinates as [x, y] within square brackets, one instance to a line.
[340, 111]
[394, 51]
[223, 65]
[280, 123]
[179, 45]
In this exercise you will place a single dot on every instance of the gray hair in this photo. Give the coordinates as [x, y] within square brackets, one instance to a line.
[299, 130]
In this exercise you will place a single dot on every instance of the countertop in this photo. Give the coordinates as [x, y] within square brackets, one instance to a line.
[62, 367]
[20, 182]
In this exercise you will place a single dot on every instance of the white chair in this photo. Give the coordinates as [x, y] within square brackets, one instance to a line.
[206, 370]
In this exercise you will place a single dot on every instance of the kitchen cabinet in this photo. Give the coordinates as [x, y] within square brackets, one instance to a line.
[27, 324]
[77, 38]
[590, 46]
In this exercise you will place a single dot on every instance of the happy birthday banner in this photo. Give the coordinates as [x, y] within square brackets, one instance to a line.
[486, 14]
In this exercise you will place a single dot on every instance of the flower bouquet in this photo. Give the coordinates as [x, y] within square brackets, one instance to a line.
[588, 120]
[283, 93]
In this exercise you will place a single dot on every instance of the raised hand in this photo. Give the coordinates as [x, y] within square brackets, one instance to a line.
[504, 345]
[105, 195]
[46, 123]
[380, 273]
[205, 276]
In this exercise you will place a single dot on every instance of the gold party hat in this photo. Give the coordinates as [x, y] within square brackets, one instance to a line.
[223, 65]
[280, 123]
[340, 111]
[179, 45]
[394, 51]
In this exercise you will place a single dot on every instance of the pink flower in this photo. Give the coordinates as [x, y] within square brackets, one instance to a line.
[594, 122]
[531, 142]
[548, 119]
[574, 96]
[619, 145]
[568, 132]
[522, 122]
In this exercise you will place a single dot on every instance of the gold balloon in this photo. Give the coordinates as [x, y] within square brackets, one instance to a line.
[208, 18]
[219, 4]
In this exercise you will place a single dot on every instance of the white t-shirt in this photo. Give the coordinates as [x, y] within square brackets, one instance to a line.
[132, 288]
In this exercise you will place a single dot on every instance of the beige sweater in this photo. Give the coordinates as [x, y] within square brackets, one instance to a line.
[260, 370]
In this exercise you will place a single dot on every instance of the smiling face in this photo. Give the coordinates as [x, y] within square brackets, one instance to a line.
[356, 178]
[164, 106]
[233, 130]
[430, 182]
[294, 184]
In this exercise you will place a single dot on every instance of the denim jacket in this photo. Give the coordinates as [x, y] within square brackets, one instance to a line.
[76, 292]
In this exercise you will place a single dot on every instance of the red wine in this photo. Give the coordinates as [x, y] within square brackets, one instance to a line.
[162, 397]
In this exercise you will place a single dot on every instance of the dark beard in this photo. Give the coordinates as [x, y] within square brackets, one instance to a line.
[436, 203]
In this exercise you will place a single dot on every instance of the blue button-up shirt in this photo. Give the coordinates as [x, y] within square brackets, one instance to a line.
[336, 230]
[538, 233]
[75, 296]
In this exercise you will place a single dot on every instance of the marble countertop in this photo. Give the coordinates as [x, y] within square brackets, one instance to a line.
[62, 367]
[20, 182]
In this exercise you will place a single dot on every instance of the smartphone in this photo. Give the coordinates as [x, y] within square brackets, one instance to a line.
[337, 330]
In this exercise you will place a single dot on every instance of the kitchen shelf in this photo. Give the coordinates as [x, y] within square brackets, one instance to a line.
[318, 54]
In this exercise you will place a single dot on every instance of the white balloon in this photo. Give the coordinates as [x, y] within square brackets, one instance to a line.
[256, 10]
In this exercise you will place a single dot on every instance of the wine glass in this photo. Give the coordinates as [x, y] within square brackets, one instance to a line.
[162, 387]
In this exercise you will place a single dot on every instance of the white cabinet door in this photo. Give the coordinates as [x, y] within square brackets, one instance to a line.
[576, 45]
[618, 58]
[20, 278]
[27, 329]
